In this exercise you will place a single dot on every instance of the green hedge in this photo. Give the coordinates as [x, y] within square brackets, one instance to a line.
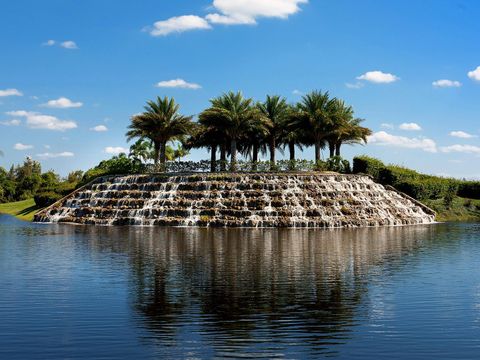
[46, 198]
[419, 186]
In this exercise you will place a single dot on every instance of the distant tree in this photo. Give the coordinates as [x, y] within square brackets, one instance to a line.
[346, 129]
[160, 123]
[276, 110]
[315, 118]
[234, 116]
[142, 150]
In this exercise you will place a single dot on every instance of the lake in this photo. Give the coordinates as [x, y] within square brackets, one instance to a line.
[83, 292]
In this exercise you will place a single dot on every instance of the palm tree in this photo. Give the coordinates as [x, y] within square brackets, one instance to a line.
[315, 118]
[160, 123]
[141, 150]
[346, 128]
[233, 116]
[276, 110]
[355, 134]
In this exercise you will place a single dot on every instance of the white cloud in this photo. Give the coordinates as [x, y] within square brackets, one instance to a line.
[468, 149]
[13, 122]
[297, 92]
[49, 43]
[71, 45]
[179, 24]
[462, 135]
[62, 103]
[22, 147]
[475, 74]
[10, 92]
[444, 83]
[357, 85]
[387, 126]
[233, 12]
[48, 155]
[99, 128]
[115, 150]
[39, 121]
[378, 77]
[178, 83]
[410, 127]
[386, 139]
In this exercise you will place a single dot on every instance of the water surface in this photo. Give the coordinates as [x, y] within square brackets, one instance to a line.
[83, 292]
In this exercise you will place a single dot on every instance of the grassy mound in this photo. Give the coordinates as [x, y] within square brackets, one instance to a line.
[23, 210]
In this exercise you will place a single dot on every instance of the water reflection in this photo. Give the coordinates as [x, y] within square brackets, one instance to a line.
[258, 293]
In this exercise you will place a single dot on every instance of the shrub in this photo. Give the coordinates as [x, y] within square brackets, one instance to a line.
[338, 164]
[469, 189]
[46, 198]
[367, 165]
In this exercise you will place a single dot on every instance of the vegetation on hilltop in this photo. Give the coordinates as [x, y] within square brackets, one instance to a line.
[452, 199]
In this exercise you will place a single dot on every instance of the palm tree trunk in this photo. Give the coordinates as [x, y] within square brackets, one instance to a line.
[317, 151]
[337, 148]
[223, 156]
[163, 155]
[156, 152]
[254, 156]
[273, 146]
[213, 159]
[331, 147]
[233, 155]
[291, 150]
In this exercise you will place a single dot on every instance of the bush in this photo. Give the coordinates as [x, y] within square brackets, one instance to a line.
[469, 189]
[338, 164]
[47, 198]
[367, 165]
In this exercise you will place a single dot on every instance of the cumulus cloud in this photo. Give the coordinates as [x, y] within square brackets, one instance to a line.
[10, 92]
[13, 122]
[378, 77]
[444, 83]
[297, 92]
[115, 150]
[385, 139]
[462, 135]
[39, 121]
[22, 147]
[99, 128]
[232, 12]
[71, 45]
[410, 127]
[48, 155]
[475, 74]
[62, 103]
[179, 24]
[49, 43]
[177, 83]
[467, 149]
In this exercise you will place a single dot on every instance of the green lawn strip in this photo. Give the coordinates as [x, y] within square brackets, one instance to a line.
[462, 209]
[23, 210]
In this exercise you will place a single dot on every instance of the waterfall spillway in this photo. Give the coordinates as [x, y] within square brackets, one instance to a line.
[249, 200]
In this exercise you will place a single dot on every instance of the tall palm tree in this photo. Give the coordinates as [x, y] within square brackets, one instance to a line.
[315, 118]
[276, 110]
[160, 123]
[234, 116]
[355, 134]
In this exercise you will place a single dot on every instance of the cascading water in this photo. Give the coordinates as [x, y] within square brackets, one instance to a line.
[249, 200]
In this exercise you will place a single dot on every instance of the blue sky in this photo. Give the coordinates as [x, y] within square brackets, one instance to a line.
[410, 68]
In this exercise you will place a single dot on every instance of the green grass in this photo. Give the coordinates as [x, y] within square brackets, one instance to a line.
[461, 209]
[23, 210]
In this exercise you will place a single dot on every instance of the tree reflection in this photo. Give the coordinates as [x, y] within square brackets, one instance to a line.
[255, 290]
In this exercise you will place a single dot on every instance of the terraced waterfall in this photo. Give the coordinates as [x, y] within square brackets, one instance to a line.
[248, 200]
